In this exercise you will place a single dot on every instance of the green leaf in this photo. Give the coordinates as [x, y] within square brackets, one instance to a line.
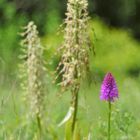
[76, 135]
[68, 130]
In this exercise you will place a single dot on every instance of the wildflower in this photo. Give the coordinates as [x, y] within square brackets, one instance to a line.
[109, 89]
[34, 68]
[74, 63]
[75, 49]
[33, 72]
[109, 92]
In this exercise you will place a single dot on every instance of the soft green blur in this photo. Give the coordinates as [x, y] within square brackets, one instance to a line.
[116, 51]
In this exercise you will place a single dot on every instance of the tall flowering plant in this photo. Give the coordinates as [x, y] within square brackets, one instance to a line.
[74, 62]
[109, 93]
[33, 71]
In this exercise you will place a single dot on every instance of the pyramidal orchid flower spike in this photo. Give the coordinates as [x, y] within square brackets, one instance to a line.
[109, 92]
[109, 89]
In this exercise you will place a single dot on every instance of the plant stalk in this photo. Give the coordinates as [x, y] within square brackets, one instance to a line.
[39, 127]
[76, 88]
[109, 121]
[75, 105]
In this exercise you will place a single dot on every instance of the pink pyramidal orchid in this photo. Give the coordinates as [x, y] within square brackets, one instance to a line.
[109, 89]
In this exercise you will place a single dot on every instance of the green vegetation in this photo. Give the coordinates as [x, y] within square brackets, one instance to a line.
[115, 51]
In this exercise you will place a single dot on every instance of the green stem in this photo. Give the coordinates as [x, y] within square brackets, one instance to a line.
[109, 121]
[39, 127]
[76, 88]
[75, 105]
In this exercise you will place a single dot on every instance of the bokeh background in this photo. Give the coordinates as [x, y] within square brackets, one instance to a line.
[115, 34]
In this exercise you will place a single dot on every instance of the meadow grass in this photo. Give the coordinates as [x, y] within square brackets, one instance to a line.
[116, 51]
[92, 114]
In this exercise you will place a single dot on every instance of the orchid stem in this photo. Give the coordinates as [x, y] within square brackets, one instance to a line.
[39, 126]
[109, 121]
[75, 105]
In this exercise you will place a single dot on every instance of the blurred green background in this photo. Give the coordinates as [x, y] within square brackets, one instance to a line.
[49, 14]
[115, 33]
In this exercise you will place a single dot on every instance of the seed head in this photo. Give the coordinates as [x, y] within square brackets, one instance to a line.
[33, 68]
[75, 49]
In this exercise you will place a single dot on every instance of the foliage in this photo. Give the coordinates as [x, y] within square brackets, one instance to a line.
[116, 51]
[109, 43]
